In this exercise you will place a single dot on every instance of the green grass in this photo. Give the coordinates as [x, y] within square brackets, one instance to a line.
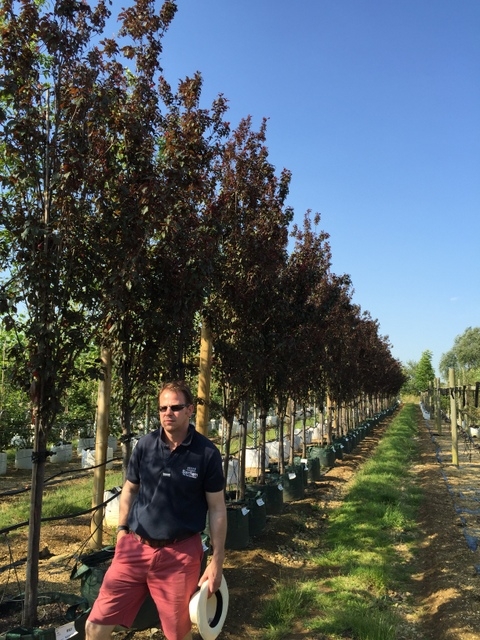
[359, 559]
[59, 500]
[291, 602]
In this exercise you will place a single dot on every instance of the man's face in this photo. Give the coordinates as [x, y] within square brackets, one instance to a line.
[174, 421]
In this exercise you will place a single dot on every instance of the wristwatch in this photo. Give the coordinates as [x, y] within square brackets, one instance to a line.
[122, 527]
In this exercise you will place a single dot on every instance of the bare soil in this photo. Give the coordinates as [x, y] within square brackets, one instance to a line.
[441, 603]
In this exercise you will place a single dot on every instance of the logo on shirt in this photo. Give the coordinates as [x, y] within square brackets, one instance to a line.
[190, 472]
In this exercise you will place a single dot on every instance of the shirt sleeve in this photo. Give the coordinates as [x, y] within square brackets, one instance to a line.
[214, 478]
[133, 469]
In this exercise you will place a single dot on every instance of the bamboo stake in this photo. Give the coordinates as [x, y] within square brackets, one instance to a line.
[101, 447]
[438, 409]
[204, 375]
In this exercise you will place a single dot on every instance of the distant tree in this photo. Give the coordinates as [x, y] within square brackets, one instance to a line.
[14, 404]
[464, 355]
[79, 401]
[449, 360]
[380, 372]
[424, 372]
[409, 370]
[467, 348]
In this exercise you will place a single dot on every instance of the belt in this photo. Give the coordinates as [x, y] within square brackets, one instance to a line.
[166, 542]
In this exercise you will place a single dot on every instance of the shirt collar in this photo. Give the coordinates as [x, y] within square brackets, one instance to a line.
[188, 439]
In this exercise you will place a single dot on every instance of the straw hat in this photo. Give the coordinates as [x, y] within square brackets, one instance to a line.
[209, 613]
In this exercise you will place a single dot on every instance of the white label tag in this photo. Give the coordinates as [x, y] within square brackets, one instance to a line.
[245, 511]
[303, 461]
[260, 502]
[292, 476]
[280, 487]
[65, 631]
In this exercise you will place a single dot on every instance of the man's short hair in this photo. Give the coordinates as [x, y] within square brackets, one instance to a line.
[179, 386]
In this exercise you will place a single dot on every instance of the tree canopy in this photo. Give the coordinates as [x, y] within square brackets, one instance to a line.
[424, 372]
[464, 355]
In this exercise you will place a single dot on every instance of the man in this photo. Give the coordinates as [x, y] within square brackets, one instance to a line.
[174, 477]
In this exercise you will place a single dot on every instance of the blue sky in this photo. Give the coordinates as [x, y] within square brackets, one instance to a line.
[374, 106]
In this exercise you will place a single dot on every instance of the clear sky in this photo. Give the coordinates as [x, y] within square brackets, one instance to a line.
[374, 105]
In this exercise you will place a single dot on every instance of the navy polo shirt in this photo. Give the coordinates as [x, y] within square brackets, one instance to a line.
[171, 500]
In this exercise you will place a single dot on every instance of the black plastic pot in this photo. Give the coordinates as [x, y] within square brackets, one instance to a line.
[75, 616]
[338, 450]
[257, 515]
[237, 526]
[314, 473]
[273, 493]
[292, 482]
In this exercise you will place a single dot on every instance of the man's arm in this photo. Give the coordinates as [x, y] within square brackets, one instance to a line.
[127, 497]
[217, 517]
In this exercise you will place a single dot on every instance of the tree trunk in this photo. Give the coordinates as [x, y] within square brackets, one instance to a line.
[330, 410]
[29, 616]
[228, 438]
[263, 444]
[281, 434]
[243, 449]
[304, 431]
[292, 405]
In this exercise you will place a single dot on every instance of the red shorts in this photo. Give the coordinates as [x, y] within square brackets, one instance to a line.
[170, 574]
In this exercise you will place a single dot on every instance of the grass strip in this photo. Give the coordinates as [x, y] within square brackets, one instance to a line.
[65, 499]
[363, 559]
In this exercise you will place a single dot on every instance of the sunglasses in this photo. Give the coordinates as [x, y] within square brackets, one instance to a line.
[173, 407]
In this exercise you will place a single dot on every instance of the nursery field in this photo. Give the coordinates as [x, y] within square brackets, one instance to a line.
[441, 602]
